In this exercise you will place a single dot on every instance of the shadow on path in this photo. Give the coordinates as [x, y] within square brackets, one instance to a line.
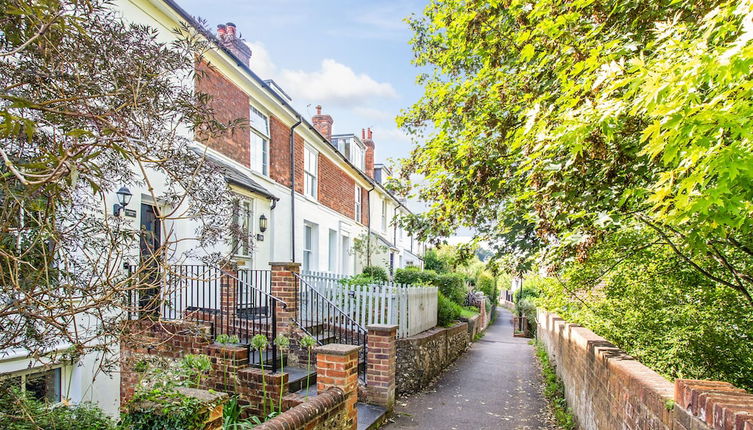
[496, 384]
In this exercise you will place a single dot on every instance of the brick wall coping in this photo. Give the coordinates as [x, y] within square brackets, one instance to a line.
[301, 415]
[432, 332]
[337, 349]
[286, 263]
[382, 328]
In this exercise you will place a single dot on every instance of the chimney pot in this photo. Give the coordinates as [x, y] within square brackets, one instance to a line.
[221, 30]
[363, 134]
[231, 29]
[370, 134]
[318, 109]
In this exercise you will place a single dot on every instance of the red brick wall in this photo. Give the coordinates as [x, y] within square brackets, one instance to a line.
[174, 339]
[279, 154]
[607, 389]
[336, 188]
[326, 411]
[229, 103]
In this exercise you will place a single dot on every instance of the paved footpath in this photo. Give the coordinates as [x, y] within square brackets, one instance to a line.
[496, 384]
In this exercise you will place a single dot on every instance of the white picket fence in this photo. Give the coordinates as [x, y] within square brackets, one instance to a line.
[412, 309]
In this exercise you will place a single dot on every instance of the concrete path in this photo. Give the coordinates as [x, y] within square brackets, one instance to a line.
[494, 385]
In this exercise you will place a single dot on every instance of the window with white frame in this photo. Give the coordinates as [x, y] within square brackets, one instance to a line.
[243, 219]
[259, 141]
[39, 384]
[310, 171]
[357, 156]
[384, 215]
[358, 208]
[309, 247]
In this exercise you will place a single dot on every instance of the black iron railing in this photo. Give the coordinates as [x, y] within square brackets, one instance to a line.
[327, 323]
[239, 307]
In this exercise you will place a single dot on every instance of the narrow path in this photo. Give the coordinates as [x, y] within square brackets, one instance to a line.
[494, 385]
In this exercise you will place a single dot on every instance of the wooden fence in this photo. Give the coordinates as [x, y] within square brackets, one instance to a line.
[412, 309]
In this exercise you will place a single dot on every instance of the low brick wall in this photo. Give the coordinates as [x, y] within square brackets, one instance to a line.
[172, 340]
[326, 411]
[607, 389]
[422, 357]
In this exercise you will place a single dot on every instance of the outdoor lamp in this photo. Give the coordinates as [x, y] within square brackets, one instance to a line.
[124, 197]
[263, 223]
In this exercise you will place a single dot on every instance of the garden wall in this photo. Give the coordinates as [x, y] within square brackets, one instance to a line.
[326, 411]
[607, 389]
[422, 357]
[171, 340]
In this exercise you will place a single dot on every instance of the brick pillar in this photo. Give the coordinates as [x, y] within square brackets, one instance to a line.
[285, 288]
[337, 366]
[380, 369]
[228, 297]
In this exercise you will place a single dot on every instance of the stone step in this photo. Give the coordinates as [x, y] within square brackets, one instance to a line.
[297, 379]
[370, 416]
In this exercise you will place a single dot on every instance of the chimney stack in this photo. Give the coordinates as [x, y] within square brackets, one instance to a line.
[228, 36]
[323, 123]
[369, 158]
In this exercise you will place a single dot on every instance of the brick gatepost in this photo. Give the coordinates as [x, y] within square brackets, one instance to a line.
[228, 294]
[380, 370]
[285, 288]
[337, 366]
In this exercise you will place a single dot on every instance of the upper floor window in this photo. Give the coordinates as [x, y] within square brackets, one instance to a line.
[357, 156]
[310, 171]
[259, 141]
[358, 208]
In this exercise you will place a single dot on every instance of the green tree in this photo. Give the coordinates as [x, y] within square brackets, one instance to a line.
[89, 103]
[551, 125]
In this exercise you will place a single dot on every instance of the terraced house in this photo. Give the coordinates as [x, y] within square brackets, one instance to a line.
[302, 194]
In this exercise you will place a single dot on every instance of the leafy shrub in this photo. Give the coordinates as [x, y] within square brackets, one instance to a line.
[414, 276]
[447, 311]
[487, 285]
[17, 407]
[433, 261]
[376, 272]
[651, 303]
[226, 339]
[360, 279]
[164, 409]
[452, 285]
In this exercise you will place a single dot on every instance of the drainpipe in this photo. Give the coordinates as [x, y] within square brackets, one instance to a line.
[368, 227]
[292, 189]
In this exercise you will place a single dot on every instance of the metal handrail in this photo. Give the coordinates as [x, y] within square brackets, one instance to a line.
[354, 332]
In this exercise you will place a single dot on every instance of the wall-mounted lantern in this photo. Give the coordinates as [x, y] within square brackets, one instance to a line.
[124, 197]
[263, 223]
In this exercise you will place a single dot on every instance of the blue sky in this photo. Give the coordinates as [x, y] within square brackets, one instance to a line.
[352, 57]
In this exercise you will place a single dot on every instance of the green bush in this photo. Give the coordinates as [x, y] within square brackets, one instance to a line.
[376, 273]
[487, 285]
[17, 407]
[435, 262]
[452, 285]
[414, 275]
[447, 311]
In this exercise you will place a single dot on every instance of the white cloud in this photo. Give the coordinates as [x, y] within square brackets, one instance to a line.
[373, 114]
[261, 61]
[334, 83]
